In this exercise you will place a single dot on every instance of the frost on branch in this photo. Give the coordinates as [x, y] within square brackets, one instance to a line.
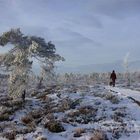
[17, 62]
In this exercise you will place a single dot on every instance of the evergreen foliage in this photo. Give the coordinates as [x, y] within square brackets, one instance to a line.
[18, 61]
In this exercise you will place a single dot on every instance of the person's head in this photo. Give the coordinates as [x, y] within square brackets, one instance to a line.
[113, 71]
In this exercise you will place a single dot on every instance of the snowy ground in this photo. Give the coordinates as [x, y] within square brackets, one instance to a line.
[94, 112]
[125, 92]
[134, 110]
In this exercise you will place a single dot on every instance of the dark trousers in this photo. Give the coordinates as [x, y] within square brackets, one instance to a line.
[113, 82]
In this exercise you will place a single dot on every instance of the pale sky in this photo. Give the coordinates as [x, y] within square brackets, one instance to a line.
[84, 31]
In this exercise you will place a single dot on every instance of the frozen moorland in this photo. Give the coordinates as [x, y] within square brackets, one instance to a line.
[72, 111]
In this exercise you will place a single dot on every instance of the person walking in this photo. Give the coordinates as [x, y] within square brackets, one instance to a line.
[113, 78]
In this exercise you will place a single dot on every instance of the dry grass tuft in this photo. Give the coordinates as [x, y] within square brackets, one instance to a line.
[4, 117]
[99, 135]
[54, 126]
[36, 114]
[10, 135]
[113, 98]
[74, 113]
[78, 132]
[27, 119]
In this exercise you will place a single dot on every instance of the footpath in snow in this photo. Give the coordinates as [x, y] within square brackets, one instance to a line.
[125, 92]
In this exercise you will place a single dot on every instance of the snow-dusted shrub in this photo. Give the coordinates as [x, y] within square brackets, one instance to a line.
[78, 132]
[83, 115]
[87, 114]
[10, 106]
[36, 114]
[67, 104]
[4, 117]
[41, 96]
[34, 93]
[18, 61]
[27, 119]
[54, 126]
[6, 103]
[99, 135]
[42, 138]
[112, 98]
[117, 118]
[47, 99]
[119, 114]
[50, 116]
[101, 95]
[87, 110]
[17, 102]
[25, 130]
[5, 111]
[50, 89]
[74, 113]
[83, 89]
[10, 135]
[4, 99]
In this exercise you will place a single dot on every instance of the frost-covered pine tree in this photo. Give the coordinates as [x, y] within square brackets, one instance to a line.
[18, 61]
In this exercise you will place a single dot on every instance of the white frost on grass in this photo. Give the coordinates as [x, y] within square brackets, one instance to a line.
[103, 119]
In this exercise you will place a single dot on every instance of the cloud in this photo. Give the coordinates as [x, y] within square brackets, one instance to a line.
[89, 31]
[115, 8]
[67, 38]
